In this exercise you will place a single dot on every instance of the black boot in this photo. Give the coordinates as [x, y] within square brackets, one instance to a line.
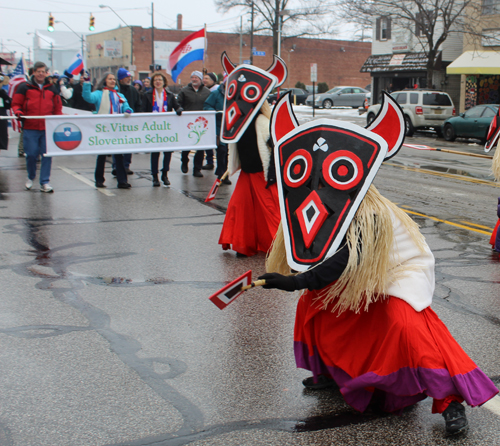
[156, 183]
[455, 419]
[164, 178]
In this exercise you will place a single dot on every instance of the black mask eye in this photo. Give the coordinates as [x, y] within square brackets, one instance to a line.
[343, 170]
[298, 168]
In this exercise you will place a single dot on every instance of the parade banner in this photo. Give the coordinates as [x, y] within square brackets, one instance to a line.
[139, 132]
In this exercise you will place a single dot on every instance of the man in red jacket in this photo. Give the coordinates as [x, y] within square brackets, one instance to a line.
[36, 97]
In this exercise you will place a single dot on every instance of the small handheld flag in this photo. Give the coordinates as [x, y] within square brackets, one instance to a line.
[76, 65]
[231, 291]
[215, 187]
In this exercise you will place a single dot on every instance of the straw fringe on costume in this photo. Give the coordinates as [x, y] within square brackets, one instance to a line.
[369, 272]
[496, 163]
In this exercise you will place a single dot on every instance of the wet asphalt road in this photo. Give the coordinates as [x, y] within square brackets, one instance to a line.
[107, 336]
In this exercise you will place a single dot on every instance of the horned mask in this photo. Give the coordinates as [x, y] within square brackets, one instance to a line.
[246, 90]
[324, 169]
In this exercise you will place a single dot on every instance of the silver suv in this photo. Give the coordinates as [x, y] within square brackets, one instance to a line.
[423, 109]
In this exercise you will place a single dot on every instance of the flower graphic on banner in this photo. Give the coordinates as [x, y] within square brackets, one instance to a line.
[198, 128]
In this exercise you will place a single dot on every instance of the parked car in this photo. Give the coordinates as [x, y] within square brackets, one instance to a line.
[423, 109]
[339, 96]
[299, 96]
[474, 123]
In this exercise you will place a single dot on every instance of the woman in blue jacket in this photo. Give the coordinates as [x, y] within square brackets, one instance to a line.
[108, 101]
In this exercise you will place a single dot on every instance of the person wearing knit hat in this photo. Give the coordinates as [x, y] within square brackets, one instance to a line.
[191, 98]
[122, 74]
[210, 81]
[134, 100]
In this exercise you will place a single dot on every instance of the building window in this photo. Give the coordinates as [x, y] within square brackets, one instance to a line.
[383, 28]
[491, 7]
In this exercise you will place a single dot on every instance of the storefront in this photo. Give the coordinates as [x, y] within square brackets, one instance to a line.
[392, 72]
[480, 71]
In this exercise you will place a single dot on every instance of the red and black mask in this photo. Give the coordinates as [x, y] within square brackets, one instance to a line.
[324, 169]
[247, 88]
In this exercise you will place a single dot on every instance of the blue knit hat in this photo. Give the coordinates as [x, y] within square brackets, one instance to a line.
[123, 73]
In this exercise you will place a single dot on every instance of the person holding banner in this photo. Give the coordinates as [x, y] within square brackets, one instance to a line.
[36, 97]
[160, 100]
[108, 101]
[191, 98]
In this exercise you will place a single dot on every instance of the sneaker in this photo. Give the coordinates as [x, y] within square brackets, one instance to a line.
[156, 183]
[184, 167]
[29, 184]
[208, 167]
[124, 186]
[226, 181]
[100, 185]
[455, 419]
[47, 188]
[129, 172]
[197, 174]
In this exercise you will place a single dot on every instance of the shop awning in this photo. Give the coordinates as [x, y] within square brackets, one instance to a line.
[378, 63]
[476, 62]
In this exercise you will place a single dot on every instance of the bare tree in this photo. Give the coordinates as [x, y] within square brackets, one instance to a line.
[430, 22]
[309, 18]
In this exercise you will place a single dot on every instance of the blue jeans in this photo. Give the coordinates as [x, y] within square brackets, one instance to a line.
[34, 145]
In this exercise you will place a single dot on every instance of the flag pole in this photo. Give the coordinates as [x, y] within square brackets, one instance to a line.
[205, 50]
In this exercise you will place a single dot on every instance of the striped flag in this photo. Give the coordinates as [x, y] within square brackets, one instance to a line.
[18, 77]
[190, 49]
[76, 65]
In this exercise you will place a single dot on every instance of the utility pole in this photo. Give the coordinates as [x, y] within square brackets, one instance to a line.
[152, 34]
[251, 37]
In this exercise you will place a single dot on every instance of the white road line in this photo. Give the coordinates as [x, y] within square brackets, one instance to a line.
[493, 405]
[86, 181]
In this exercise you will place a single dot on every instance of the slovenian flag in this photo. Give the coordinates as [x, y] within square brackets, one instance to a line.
[76, 65]
[190, 49]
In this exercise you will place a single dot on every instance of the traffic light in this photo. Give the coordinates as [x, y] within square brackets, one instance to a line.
[50, 26]
[92, 23]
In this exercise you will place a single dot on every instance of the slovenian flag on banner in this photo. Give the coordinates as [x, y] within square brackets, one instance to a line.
[190, 49]
[76, 65]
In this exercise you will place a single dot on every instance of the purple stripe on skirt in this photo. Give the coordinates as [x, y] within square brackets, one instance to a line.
[403, 388]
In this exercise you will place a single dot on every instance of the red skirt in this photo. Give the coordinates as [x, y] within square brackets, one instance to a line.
[252, 216]
[494, 235]
[406, 354]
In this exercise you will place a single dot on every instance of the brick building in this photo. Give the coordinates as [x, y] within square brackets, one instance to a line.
[339, 61]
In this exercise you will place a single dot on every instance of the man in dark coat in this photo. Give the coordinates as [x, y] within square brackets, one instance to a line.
[133, 98]
[191, 98]
[77, 100]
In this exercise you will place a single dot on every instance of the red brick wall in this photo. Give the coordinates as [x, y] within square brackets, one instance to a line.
[339, 61]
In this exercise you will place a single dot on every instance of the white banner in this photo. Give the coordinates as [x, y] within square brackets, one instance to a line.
[140, 132]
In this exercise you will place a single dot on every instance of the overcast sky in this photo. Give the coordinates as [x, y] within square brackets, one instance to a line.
[25, 16]
[19, 18]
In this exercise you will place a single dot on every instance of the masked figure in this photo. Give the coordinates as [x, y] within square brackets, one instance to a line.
[364, 322]
[252, 216]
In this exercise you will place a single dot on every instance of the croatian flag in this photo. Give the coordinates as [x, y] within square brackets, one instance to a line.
[190, 49]
[76, 65]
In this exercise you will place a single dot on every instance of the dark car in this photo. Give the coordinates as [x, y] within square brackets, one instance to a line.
[298, 95]
[474, 123]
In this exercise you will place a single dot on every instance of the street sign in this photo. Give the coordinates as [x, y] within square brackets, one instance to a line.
[247, 61]
[259, 53]
[314, 72]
